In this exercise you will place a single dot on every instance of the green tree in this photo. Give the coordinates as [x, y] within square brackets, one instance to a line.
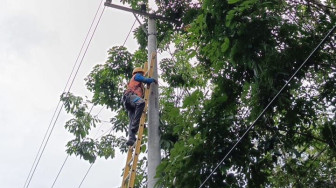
[228, 59]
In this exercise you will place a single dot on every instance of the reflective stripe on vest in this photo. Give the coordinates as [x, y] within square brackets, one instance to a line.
[135, 87]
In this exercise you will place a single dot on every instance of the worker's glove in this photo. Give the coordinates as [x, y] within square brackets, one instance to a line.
[155, 81]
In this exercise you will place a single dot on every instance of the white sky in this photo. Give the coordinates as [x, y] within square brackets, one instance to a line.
[39, 43]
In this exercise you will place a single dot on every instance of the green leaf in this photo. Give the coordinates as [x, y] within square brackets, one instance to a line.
[226, 44]
[192, 99]
[230, 15]
[233, 1]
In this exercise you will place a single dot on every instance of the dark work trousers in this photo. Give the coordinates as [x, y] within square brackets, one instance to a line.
[135, 106]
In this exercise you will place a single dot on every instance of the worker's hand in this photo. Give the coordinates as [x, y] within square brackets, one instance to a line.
[155, 81]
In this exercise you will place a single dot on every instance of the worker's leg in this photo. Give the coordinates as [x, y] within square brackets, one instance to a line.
[138, 104]
[139, 107]
[131, 117]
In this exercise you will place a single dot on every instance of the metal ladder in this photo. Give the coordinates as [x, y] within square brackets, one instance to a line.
[134, 151]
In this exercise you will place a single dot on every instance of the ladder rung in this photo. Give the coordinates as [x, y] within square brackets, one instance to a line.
[134, 151]
[125, 181]
[127, 177]
[130, 161]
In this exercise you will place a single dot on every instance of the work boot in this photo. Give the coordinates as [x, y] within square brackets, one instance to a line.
[131, 140]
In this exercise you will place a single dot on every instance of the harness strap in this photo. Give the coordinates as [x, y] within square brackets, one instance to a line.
[136, 99]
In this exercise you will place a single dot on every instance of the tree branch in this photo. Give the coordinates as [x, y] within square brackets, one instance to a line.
[302, 134]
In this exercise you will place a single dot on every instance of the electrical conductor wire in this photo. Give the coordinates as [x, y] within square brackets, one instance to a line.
[65, 160]
[39, 154]
[129, 33]
[269, 104]
[85, 175]
[87, 172]
[122, 45]
[97, 115]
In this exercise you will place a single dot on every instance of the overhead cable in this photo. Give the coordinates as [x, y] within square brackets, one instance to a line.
[110, 130]
[87, 172]
[59, 172]
[85, 175]
[122, 45]
[269, 104]
[142, 26]
[65, 160]
[129, 33]
[46, 138]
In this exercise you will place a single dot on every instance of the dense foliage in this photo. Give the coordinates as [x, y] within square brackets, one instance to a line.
[228, 60]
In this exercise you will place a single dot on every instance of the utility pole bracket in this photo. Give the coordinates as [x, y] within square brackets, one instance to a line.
[108, 3]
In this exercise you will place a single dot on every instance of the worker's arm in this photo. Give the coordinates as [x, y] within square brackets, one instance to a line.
[138, 77]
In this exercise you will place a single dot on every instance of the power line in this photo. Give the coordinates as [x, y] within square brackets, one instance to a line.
[100, 110]
[122, 45]
[129, 33]
[59, 172]
[87, 172]
[141, 25]
[65, 160]
[85, 175]
[73, 68]
[39, 154]
[269, 104]
[110, 130]
[87, 47]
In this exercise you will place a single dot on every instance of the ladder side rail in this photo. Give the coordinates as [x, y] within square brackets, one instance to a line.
[127, 174]
[127, 167]
[130, 151]
[138, 146]
[140, 133]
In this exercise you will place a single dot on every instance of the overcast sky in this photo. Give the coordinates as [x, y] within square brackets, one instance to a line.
[39, 43]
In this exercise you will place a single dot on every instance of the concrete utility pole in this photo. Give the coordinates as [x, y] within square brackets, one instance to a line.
[154, 155]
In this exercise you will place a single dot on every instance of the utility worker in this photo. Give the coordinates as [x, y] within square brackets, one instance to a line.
[133, 101]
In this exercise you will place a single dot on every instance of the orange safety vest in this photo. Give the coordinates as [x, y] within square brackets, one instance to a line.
[135, 87]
